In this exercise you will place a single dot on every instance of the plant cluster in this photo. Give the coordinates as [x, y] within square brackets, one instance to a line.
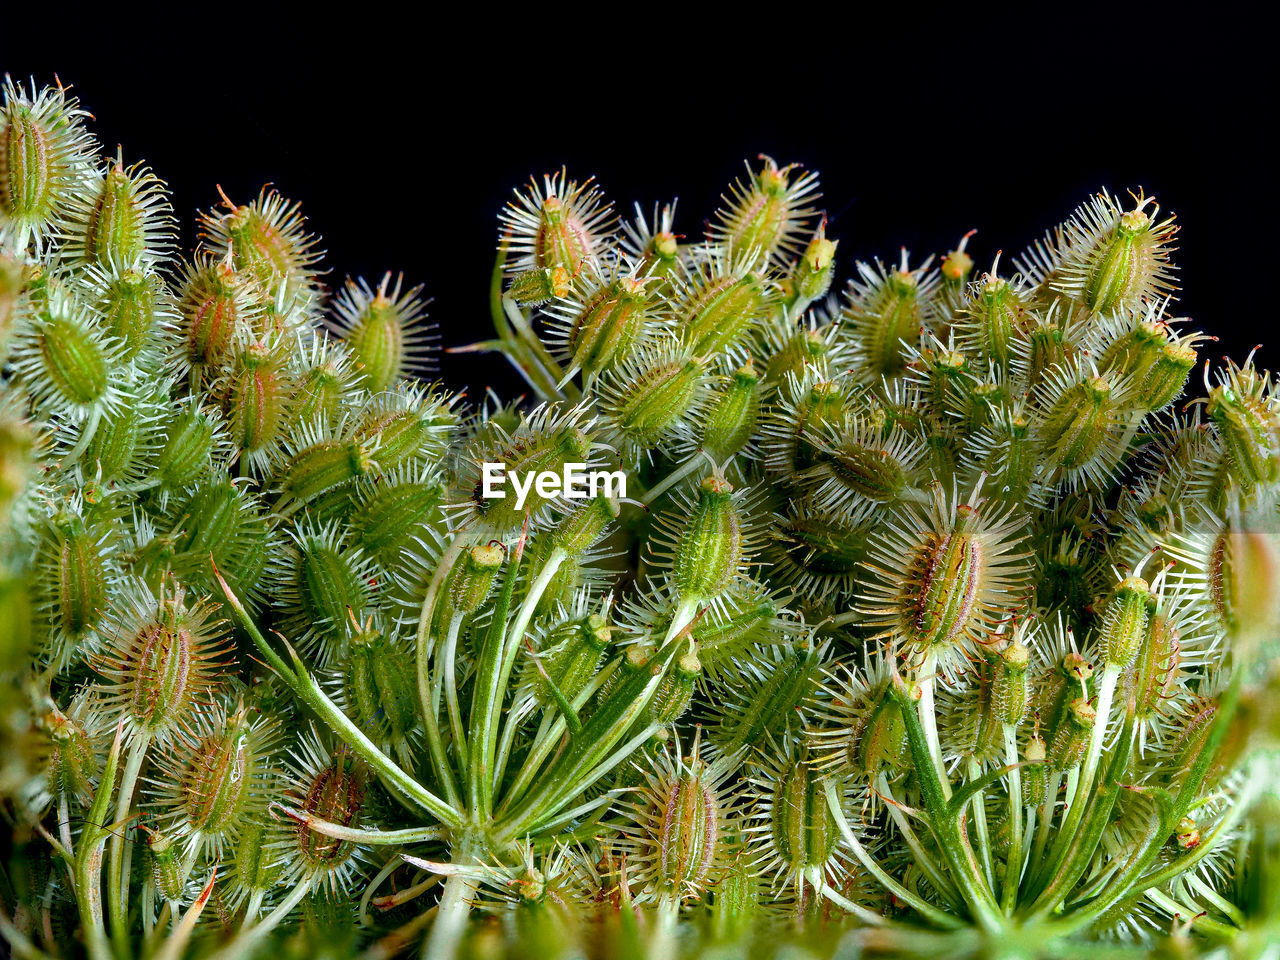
[934, 621]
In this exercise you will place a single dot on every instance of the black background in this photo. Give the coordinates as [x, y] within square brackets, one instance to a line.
[402, 137]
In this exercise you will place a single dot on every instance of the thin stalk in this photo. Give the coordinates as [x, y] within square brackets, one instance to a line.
[491, 709]
[925, 909]
[360, 835]
[304, 687]
[424, 647]
[925, 679]
[927, 864]
[1193, 916]
[526, 335]
[674, 477]
[117, 875]
[979, 806]
[446, 675]
[1013, 871]
[1083, 792]
[242, 943]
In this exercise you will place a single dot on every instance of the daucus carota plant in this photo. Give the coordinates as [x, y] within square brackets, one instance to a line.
[918, 617]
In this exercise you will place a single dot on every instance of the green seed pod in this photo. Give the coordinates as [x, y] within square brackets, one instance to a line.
[168, 871]
[881, 744]
[768, 211]
[581, 529]
[535, 287]
[748, 620]
[129, 309]
[73, 765]
[605, 328]
[1009, 683]
[709, 552]
[215, 778]
[323, 466]
[943, 588]
[218, 518]
[1153, 675]
[717, 306]
[675, 691]
[75, 576]
[43, 148]
[572, 663]
[162, 659]
[561, 223]
[1035, 775]
[386, 331]
[214, 304]
[795, 430]
[379, 686]
[1124, 622]
[802, 347]
[885, 313]
[472, 577]
[325, 384]
[1047, 347]
[267, 242]
[811, 278]
[993, 319]
[656, 247]
[736, 896]
[817, 553]
[1116, 259]
[544, 447]
[394, 515]
[1243, 577]
[651, 396]
[255, 865]
[635, 660]
[755, 713]
[802, 829]
[732, 415]
[258, 400]
[866, 463]
[1249, 425]
[188, 447]
[1165, 381]
[321, 584]
[1197, 724]
[410, 426]
[64, 361]
[683, 847]
[120, 219]
[1071, 739]
[1076, 428]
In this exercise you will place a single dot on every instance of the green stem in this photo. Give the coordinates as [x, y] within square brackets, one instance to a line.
[446, 675]
[452, 912]
[117, 875]
[925, 679]
[304, 687]
[1013, 868]
[924, 908]
[242, 943]
[978, 803]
